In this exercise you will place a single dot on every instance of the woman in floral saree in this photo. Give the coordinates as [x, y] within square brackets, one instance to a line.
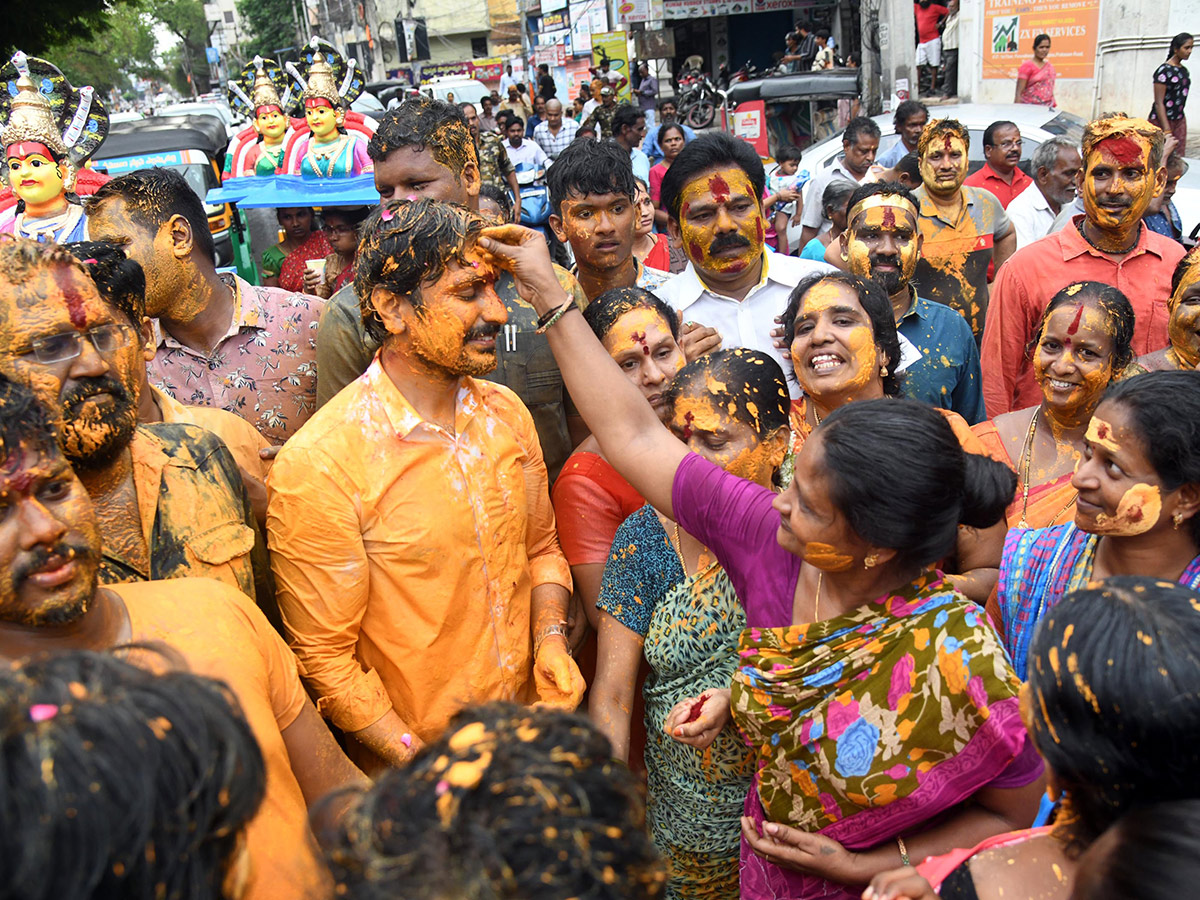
[834, 575]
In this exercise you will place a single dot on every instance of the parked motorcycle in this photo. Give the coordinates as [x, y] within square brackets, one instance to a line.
[698, 100]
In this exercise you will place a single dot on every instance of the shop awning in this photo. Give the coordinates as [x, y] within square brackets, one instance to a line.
[829, 84]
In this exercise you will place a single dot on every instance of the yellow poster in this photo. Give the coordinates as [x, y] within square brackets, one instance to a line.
[1009, 27]
[613, 46]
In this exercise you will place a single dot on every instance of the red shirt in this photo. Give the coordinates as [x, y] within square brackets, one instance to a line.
[927, 20]
[1038, 271]
[988, 179]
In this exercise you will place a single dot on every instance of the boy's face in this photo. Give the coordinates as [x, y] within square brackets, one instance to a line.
[789, 167]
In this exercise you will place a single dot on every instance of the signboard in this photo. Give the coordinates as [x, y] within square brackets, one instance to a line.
[553, 5]
[489, 68]
[613, 46]
[588, 17]
[654, 44]
[430, 71]
[1009, 27]
[633, 11]
[550, 55]
[749, 124]
[553, 21]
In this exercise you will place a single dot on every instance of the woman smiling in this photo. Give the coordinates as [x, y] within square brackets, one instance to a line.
[876, 698]
[1082, 346]
[1139, 492]
[1183, 326]
[842, 338]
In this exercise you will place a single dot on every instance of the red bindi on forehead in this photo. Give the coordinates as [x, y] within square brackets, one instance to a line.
[1124, 149]
[719, 187]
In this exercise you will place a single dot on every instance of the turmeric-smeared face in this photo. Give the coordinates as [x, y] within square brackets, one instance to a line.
[715, 431]
[1073, 359]
[1184, 324]
[1118, 182]
[882, 243]
[944, 164]
[833, 351]
[154, 249]
[271, 124]
[323, 121]
[95, 392]
[49, 541]
[721, 222]
[1120, 493]
[641, 344]
[454, 326]
[36, 178]
[599, 228]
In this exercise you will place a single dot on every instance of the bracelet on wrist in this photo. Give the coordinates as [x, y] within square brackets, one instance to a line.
[551, 316]
[560, 629]
[903, 852]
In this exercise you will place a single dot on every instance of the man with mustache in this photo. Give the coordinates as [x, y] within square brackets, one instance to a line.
[592, 197]
[1001, 172]
[734, 286]
[410, 523]
[1122, 172]
[938, 356]
[169, 498]
[53, 600]
[424, 148]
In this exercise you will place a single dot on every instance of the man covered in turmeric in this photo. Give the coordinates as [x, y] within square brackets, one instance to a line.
[169, 497]
[410, 524]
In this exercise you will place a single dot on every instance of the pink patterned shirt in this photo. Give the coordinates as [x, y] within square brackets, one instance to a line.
[264, 368]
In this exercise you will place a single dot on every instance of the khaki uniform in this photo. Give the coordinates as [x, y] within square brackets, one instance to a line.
[494, 164]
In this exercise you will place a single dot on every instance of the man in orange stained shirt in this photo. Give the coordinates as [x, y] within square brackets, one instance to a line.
[409, 520]
[1122, 172]
[50, 602]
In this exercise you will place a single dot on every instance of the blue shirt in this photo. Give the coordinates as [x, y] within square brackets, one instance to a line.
[641, 165]
[650, 145]
[1167, 222]
[947, 375]
[888, 158]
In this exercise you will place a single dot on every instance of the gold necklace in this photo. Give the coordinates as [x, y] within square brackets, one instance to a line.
[1025, 462]
[679, 551]
[817, 602]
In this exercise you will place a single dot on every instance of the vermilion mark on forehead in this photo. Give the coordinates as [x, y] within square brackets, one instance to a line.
[946, 142]
[639, 337]
[889, 217]
[719, 187]
[1075, 322]
[62, 277]
[688, 418]
[1125, 150]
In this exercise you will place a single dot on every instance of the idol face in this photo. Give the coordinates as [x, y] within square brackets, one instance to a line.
[323, 120]
[271, 124]
[721, 222]
[37, 179]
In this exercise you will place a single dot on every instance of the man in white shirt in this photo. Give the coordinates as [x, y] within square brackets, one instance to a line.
[1055, 165]
[733, 286]
[555, 133]
[860, 142]
[507, 80]
[526, 156]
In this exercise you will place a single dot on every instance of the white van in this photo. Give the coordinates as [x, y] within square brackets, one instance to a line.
[465, 90]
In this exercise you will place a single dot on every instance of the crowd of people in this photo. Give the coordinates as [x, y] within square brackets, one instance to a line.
[431, 568]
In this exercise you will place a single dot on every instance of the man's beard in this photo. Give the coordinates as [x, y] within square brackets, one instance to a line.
[891, 281]
[68, 609]
[92, 439]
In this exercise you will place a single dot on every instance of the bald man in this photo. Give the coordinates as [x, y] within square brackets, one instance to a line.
[555, 133]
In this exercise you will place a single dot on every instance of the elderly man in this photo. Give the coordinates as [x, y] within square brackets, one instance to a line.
[733, 286]
[410, 523]
[52, 602]
[1001, 172]
[423, 148]
[1055, 163]
[938, 355]
[222, 341]
[169, 497]
[909, 121]
[964, 228]
[556, 133]
[1122, 172]
[860, 141]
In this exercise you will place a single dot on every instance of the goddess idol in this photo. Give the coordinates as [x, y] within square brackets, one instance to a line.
[50, 130]
[329, 84]
[262, 91]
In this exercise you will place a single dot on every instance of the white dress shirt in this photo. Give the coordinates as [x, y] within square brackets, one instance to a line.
[1031, 215]
[748, 322]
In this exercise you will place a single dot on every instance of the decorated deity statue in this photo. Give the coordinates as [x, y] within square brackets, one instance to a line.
[263, 92]
[329, 84]
[50, 130]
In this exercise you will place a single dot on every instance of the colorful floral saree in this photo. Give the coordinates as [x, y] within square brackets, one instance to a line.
[868, 725]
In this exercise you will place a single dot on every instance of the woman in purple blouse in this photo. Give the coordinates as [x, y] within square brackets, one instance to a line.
[880, 704]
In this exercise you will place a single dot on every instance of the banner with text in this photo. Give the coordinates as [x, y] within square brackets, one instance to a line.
[1009, 27]
[613, 46]
[588, 17]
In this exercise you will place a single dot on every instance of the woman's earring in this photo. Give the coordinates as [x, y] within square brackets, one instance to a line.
[883, 371]
[870, 561]
[1177, 519]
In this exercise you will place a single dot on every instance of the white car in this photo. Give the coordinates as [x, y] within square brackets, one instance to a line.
[1037, 123]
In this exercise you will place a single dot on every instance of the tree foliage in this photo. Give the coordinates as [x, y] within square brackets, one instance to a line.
[126, 49]
[185, 20]
[35, 27]
[272, 27]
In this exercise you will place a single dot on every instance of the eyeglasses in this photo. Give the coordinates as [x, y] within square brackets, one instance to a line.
[68, 345]
[336, 230]
[1010, 145]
